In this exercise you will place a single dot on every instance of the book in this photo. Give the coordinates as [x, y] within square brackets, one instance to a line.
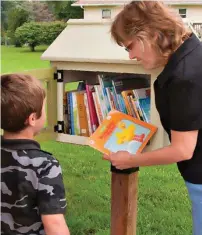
[82, 114]
[143, 96]
[65, 113]
[121, 132]
[93, 115]
[87, 113]
[75, 117]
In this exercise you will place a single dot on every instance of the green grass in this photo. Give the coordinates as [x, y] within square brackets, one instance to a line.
[163, 206]
[19, 59]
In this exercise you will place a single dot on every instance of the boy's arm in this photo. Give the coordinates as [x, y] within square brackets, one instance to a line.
[55, 224]
[51, 198]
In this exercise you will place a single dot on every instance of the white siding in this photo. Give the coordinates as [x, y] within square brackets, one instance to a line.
[194, 13]
[95, 12]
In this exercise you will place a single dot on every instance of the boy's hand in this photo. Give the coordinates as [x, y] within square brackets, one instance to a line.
[121, 159]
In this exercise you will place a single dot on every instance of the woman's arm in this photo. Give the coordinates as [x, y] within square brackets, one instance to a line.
[181, 148]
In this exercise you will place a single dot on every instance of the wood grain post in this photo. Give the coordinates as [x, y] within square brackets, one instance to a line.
[124, 194]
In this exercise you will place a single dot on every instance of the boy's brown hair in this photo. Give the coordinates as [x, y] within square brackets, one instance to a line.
[151, 21]
[21, 95]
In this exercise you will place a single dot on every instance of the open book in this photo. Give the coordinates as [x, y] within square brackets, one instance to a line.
[121, 132]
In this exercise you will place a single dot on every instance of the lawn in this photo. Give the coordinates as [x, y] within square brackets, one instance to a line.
[18, 59]
[163, 206]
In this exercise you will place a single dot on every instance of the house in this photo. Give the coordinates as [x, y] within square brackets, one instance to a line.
[106, 9]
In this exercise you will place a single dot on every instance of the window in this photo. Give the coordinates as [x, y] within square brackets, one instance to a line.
[106, 14]
[183, 13]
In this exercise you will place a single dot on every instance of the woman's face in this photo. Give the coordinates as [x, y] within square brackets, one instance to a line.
[143, 52]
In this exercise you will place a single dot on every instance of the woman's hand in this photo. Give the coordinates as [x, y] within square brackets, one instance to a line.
[121, 159]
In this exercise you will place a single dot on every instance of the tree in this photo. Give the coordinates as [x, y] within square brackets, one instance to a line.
[63, 10]
[29, 33]
[16, 17]
[34, 33]
[5, 6]
[40, 12]
[51, 31]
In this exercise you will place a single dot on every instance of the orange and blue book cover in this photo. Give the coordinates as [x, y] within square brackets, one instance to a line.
[121, 132]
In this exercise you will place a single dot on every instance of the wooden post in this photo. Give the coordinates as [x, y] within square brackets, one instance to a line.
[124, 194]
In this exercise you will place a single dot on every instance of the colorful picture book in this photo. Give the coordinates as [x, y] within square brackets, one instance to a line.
[121, 132]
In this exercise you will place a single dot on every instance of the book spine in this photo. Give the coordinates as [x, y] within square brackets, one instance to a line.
[121, 107]
[69, 113]
[101, 101]
[131, 106]
[110, 98]
[145, 106]
[97, 108]
[106, 100]
[139, 110]
[83, 123]
[65, 114]
[115, 98]
[132, 99]
[75, 114]
[126, 101]
[104, 94]
[72, 114]
[88, 114]
[91, 105]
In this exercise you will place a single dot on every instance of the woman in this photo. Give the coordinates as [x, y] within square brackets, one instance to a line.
[153, 35]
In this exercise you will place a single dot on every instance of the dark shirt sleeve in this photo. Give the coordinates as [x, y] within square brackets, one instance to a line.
[185, 104]
[51, 192]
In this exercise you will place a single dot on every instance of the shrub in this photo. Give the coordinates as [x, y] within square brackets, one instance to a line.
[51, 31]
[29, 33]
[36, 33]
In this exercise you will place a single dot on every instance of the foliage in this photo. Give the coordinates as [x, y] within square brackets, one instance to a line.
[63, 10]
[40, 12]
[16, 18]
[51, 31]
[30, 33]
[5, 6]
[15, 13]
[34, 33]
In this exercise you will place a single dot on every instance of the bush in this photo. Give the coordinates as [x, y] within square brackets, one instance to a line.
[35, 34]
[29, 33]
[51, 31]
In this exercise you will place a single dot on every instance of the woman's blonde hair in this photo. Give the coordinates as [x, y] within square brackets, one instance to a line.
[150, 21]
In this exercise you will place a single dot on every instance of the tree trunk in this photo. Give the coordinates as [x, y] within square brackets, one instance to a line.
[32, 47]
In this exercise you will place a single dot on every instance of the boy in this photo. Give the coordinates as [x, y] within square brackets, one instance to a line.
[33, 195]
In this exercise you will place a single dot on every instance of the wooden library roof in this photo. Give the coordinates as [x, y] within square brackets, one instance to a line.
[86, 41]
